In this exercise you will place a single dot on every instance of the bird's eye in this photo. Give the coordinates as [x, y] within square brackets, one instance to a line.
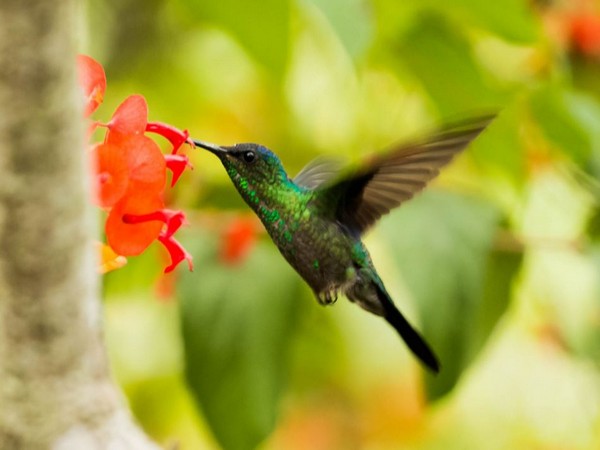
[249, 156]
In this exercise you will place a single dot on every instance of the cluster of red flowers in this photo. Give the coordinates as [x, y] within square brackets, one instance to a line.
[130, 174]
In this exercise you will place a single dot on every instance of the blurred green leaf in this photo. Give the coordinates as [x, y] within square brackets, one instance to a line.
[592, 327]
[262, 29]
[442, 243]
[585, 72]
[578, 330]
[351, 21]
[441, 59]
[593, 226]
[571, 121]
[512, 20]
[237, 324]
[499, 150]
[393, 17]
[501, 268]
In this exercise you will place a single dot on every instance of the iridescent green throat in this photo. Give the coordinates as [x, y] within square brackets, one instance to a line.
[276, 199]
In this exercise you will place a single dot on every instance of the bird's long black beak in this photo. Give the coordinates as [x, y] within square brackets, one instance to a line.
[213, 148]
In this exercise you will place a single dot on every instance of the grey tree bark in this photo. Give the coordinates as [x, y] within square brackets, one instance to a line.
[55, 386]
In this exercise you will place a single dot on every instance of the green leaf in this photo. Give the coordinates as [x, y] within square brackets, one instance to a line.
[499, 151]
[262, 29]
[238, 322]
[593, 226]
[512, 20]
[444, 254]
[591, 346]
[350, 20]
[501, 268]
[441, 59]
[571, 121]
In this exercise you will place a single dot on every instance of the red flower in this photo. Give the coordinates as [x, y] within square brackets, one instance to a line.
[92, 81]
[174, 135]
[177, 164]
[176, 251]
[132, 237]
[145, 162]
[111, 174]
[585, 33]
[127, 222]
[238, 239]
[129, 119]
[131, 173]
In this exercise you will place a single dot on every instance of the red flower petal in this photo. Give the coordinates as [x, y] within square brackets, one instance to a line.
[92, 81]
[146, 164]
[132, 238]
[177, 164]
[112, 173]
[176, 252]
[238, 239]
[130, 118]
[174, 135]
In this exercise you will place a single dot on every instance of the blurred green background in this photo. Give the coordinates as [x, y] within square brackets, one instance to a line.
[498, 263]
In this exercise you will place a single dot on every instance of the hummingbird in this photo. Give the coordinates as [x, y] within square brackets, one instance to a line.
[317, 218]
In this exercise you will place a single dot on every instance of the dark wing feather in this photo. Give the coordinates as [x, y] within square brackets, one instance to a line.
[389, 180]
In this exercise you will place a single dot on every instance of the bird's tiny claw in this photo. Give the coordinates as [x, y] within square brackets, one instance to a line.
[327, 297]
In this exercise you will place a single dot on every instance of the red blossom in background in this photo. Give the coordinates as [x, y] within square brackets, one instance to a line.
[238, 239]
[130, 175]
[574, 26]
[584, 30]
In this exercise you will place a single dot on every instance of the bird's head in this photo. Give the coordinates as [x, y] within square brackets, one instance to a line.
[250, 166]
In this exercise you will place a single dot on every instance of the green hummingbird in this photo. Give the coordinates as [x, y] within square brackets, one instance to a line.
[317, 218]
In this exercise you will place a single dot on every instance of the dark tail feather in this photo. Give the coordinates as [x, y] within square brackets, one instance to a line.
[413, 339]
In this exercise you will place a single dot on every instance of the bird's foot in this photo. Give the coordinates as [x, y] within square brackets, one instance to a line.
[327, 297]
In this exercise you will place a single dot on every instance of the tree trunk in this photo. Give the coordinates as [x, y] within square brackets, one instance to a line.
[55, 386]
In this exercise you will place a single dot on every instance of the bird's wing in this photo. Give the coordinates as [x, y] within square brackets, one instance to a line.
[389, 180]
[318, 172]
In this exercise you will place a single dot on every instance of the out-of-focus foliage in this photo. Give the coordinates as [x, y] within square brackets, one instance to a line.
[449, 280]
[236, 351]
[498, 263]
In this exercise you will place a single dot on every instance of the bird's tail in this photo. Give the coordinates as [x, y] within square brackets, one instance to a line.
[413, 339]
